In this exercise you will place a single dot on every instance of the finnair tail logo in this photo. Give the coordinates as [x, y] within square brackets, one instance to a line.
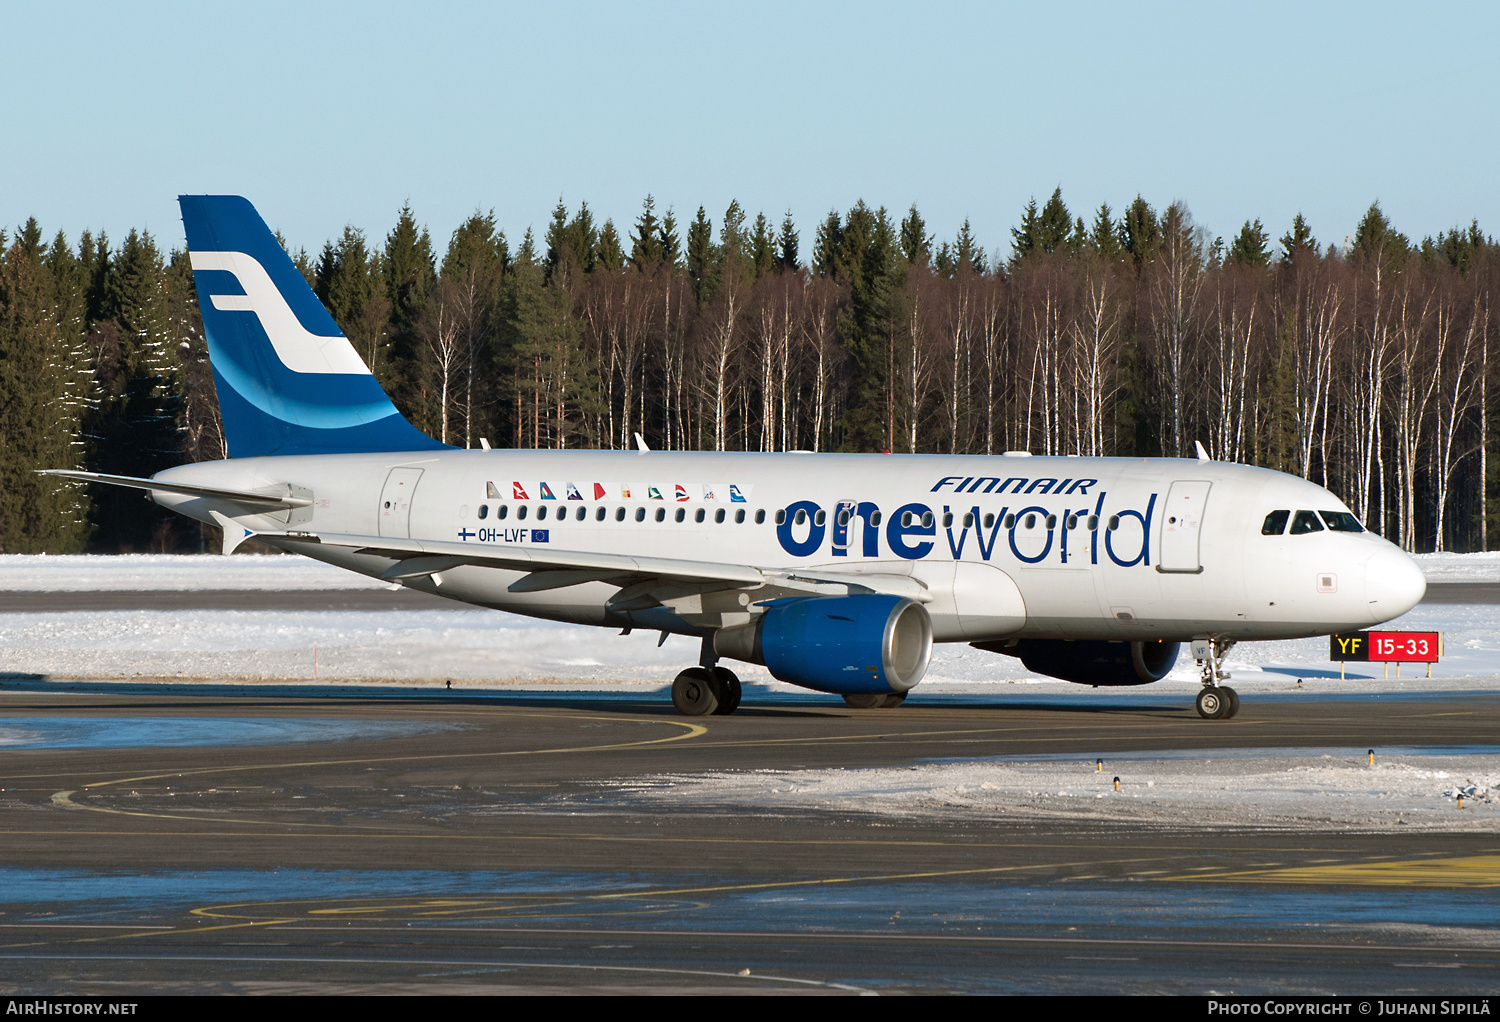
[299, 350]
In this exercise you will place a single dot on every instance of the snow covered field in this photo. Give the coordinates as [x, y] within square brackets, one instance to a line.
[1301, 789]
[481, 647]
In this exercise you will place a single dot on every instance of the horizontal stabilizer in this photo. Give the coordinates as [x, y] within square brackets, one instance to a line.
[258, 502]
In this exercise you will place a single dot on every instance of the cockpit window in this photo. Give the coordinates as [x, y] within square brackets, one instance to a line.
[1275, 523]
[1341, 521]
[1305, 522]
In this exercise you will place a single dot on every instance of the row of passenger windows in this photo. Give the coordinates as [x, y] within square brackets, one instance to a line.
[1304, 522]
[580, 514]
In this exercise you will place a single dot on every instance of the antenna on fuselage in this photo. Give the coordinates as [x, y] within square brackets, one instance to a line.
[1202, 454]
[640, 443]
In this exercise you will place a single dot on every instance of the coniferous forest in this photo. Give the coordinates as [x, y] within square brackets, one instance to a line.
[1363, 366]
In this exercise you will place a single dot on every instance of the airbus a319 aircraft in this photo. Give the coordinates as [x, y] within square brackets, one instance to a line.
[837, 572]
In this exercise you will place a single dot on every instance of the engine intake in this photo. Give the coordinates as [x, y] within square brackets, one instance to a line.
[842, 644]
[1093, 662]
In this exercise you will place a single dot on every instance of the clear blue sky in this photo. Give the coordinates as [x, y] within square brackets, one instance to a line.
[325, 114]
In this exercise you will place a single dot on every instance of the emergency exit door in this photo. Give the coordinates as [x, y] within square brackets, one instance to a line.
[1181, 522]
[395, 501]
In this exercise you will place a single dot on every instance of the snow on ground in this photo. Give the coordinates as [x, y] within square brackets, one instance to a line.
[1257, 788]
[482, 646]
[1483, 567]
[32, 573]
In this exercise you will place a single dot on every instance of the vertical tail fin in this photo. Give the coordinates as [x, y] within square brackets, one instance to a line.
[289, 381]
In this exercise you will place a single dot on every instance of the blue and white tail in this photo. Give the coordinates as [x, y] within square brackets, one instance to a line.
[289, 381]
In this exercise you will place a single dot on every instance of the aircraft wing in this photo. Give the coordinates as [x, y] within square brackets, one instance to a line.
[558, 569]
[546, 569]
[256, 502]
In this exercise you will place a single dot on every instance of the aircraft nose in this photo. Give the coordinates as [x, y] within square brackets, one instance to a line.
[1394, 584]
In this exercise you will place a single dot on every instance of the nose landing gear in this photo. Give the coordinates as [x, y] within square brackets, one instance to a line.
[1216, 701]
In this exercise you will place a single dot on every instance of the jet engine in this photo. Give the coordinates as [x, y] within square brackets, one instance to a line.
[871, 643]
[1092, 662]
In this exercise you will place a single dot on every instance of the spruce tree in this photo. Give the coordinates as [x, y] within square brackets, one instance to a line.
[1298, 239]
[826, 245]
[1140, 233]
[646, 250]
[762, 245]
[1104, 238]
[702, 258]
[608, 253]
[1252, 246]
[867, 260]
[916, 243]
[786, 244]
[671, 241]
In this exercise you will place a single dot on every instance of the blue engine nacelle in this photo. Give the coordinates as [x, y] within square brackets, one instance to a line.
[1092, 662]
[842, 644]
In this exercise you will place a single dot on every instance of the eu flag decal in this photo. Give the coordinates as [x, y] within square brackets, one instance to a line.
[541, 535]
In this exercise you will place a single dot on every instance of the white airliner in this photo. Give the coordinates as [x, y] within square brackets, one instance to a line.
[836, 571]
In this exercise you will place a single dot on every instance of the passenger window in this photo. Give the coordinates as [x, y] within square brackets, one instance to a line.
[1114, 522]
[1275, 523]
[619, 514]
[1009, 522]
[801, 516]
[927, 520]
[681, 514]
[719, 516]
[640, 514]
[1071, 522]
[599, 515]
[968, 519]
[583, 513]
[760, 517]
[661, 514]
[699, 515]
[521, 511]
[484, 511]
[780, 517]
[947, 519]
[989, 521]
[1305, 522]
[1052, 521]
[875, 518]
[739, 516]
[818, 519]
[541, 513]
[1093, 523]
[1341, 521]
[502, 511]
[1031, 521]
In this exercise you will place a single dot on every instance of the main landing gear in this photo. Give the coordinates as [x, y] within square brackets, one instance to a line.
[699, 691]
[1216, 701]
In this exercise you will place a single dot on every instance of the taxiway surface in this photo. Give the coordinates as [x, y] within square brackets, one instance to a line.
[288, 842]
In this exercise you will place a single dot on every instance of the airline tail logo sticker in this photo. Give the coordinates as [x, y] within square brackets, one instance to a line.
[547, 493]
[573, 493]
[735, 496]
[682, 493]
[710, 492]
[490, 493]
[625, 492]
[653, 493]
[598, 491]
[518, 492]
[299, 349]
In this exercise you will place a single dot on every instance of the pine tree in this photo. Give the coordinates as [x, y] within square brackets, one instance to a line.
[916, 243]
[135, 427]
[1298, 239]
[1104, 238]
[702, 257]
[826, 245]
[608, 252]
[1252, 246]
[646, 249]
[786, 244]
[1140, 234]
[762, 246]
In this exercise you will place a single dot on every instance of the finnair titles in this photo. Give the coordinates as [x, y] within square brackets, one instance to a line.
[838, 572]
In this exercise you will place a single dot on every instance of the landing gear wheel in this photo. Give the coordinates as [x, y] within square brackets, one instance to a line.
[1234, 701]
[728, 690]
[694, 692]
[1212, 703]
[893, 700]
[865, 700]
